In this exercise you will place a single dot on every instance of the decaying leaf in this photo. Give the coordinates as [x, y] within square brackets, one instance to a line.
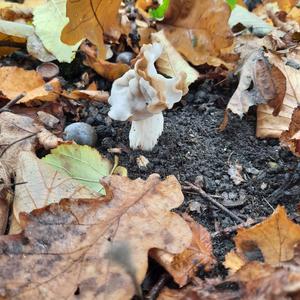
[291, 137]
[184, 266]
[275, 237]
[21, 133]
[82, 163]
[272, 126]
[91, 20]
[198, 29]
[108, 70]
[15, 81]
[43, 185]
[170, 62]
[97, 248]
[49, 20]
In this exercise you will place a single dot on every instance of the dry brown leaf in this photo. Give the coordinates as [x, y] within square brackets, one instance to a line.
[291, 137]
[198, 29]
[183, 266]
[20, 133]
[14, 81]
[92, 19]
[43, 185]
[171, 63]
[108, 70]
[97, 248]
[269, 125]
[275, 238]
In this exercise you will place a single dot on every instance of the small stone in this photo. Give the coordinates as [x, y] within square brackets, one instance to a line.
[252, 171]
[81, 133]
[48, 70]
[125, 57]
[263, 186]
[195, 206]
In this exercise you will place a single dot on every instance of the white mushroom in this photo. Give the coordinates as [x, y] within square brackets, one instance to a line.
[141, 95]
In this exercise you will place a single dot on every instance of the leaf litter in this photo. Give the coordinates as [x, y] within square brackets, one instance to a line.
[65, 239]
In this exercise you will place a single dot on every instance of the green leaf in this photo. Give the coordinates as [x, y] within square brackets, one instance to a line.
[160, 11]
[82, 163]
[231, 3]
[49, 20]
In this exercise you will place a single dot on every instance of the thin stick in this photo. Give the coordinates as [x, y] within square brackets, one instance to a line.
[193, 187]
[234, 228]
[153, 293]
[17, 141]
[11, 103]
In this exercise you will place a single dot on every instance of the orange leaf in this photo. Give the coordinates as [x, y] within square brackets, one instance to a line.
[183, 266]
[91, 19]
[198, 29]
[275, 238]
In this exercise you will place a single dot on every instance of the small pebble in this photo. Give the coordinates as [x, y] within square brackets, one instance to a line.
[48, 70]
[81, 133]
[263, 186]
[195, 206]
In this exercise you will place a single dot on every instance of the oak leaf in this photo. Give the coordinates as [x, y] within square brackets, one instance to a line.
[275, 238]
[97, 248]
[14, 81]
[198, 29]
[91, 20]
[183, 266]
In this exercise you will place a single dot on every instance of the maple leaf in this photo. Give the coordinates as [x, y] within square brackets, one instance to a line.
[275, 237]
[97, 248]
[198, 29]
[91, 19]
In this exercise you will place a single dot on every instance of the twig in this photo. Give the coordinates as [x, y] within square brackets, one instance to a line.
[193, 187]
[152, 295]
[11, 103]
[17, 141]
[231, 229]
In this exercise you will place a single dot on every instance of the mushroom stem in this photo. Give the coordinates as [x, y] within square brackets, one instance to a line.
[145, 133]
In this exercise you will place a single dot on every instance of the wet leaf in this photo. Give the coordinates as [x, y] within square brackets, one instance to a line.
[82, 163]
[96, 247]
[275, 238]
[198, 29]
[184, 266]
[91, 20]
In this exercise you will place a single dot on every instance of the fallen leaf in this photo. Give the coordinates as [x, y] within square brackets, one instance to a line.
[108, 70]
[43, 185]
[241, 15]
[170, 62]
[291, 137]
[91, 20]
[49, 20]
[184, 266]
[272, 126]
[19, 133]
[235, 173]
[15, 81]
[198, 29]
[82, 163]
[97, 248]
[275, 237]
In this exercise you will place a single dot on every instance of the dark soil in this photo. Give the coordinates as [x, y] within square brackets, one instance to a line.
[191, 147]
